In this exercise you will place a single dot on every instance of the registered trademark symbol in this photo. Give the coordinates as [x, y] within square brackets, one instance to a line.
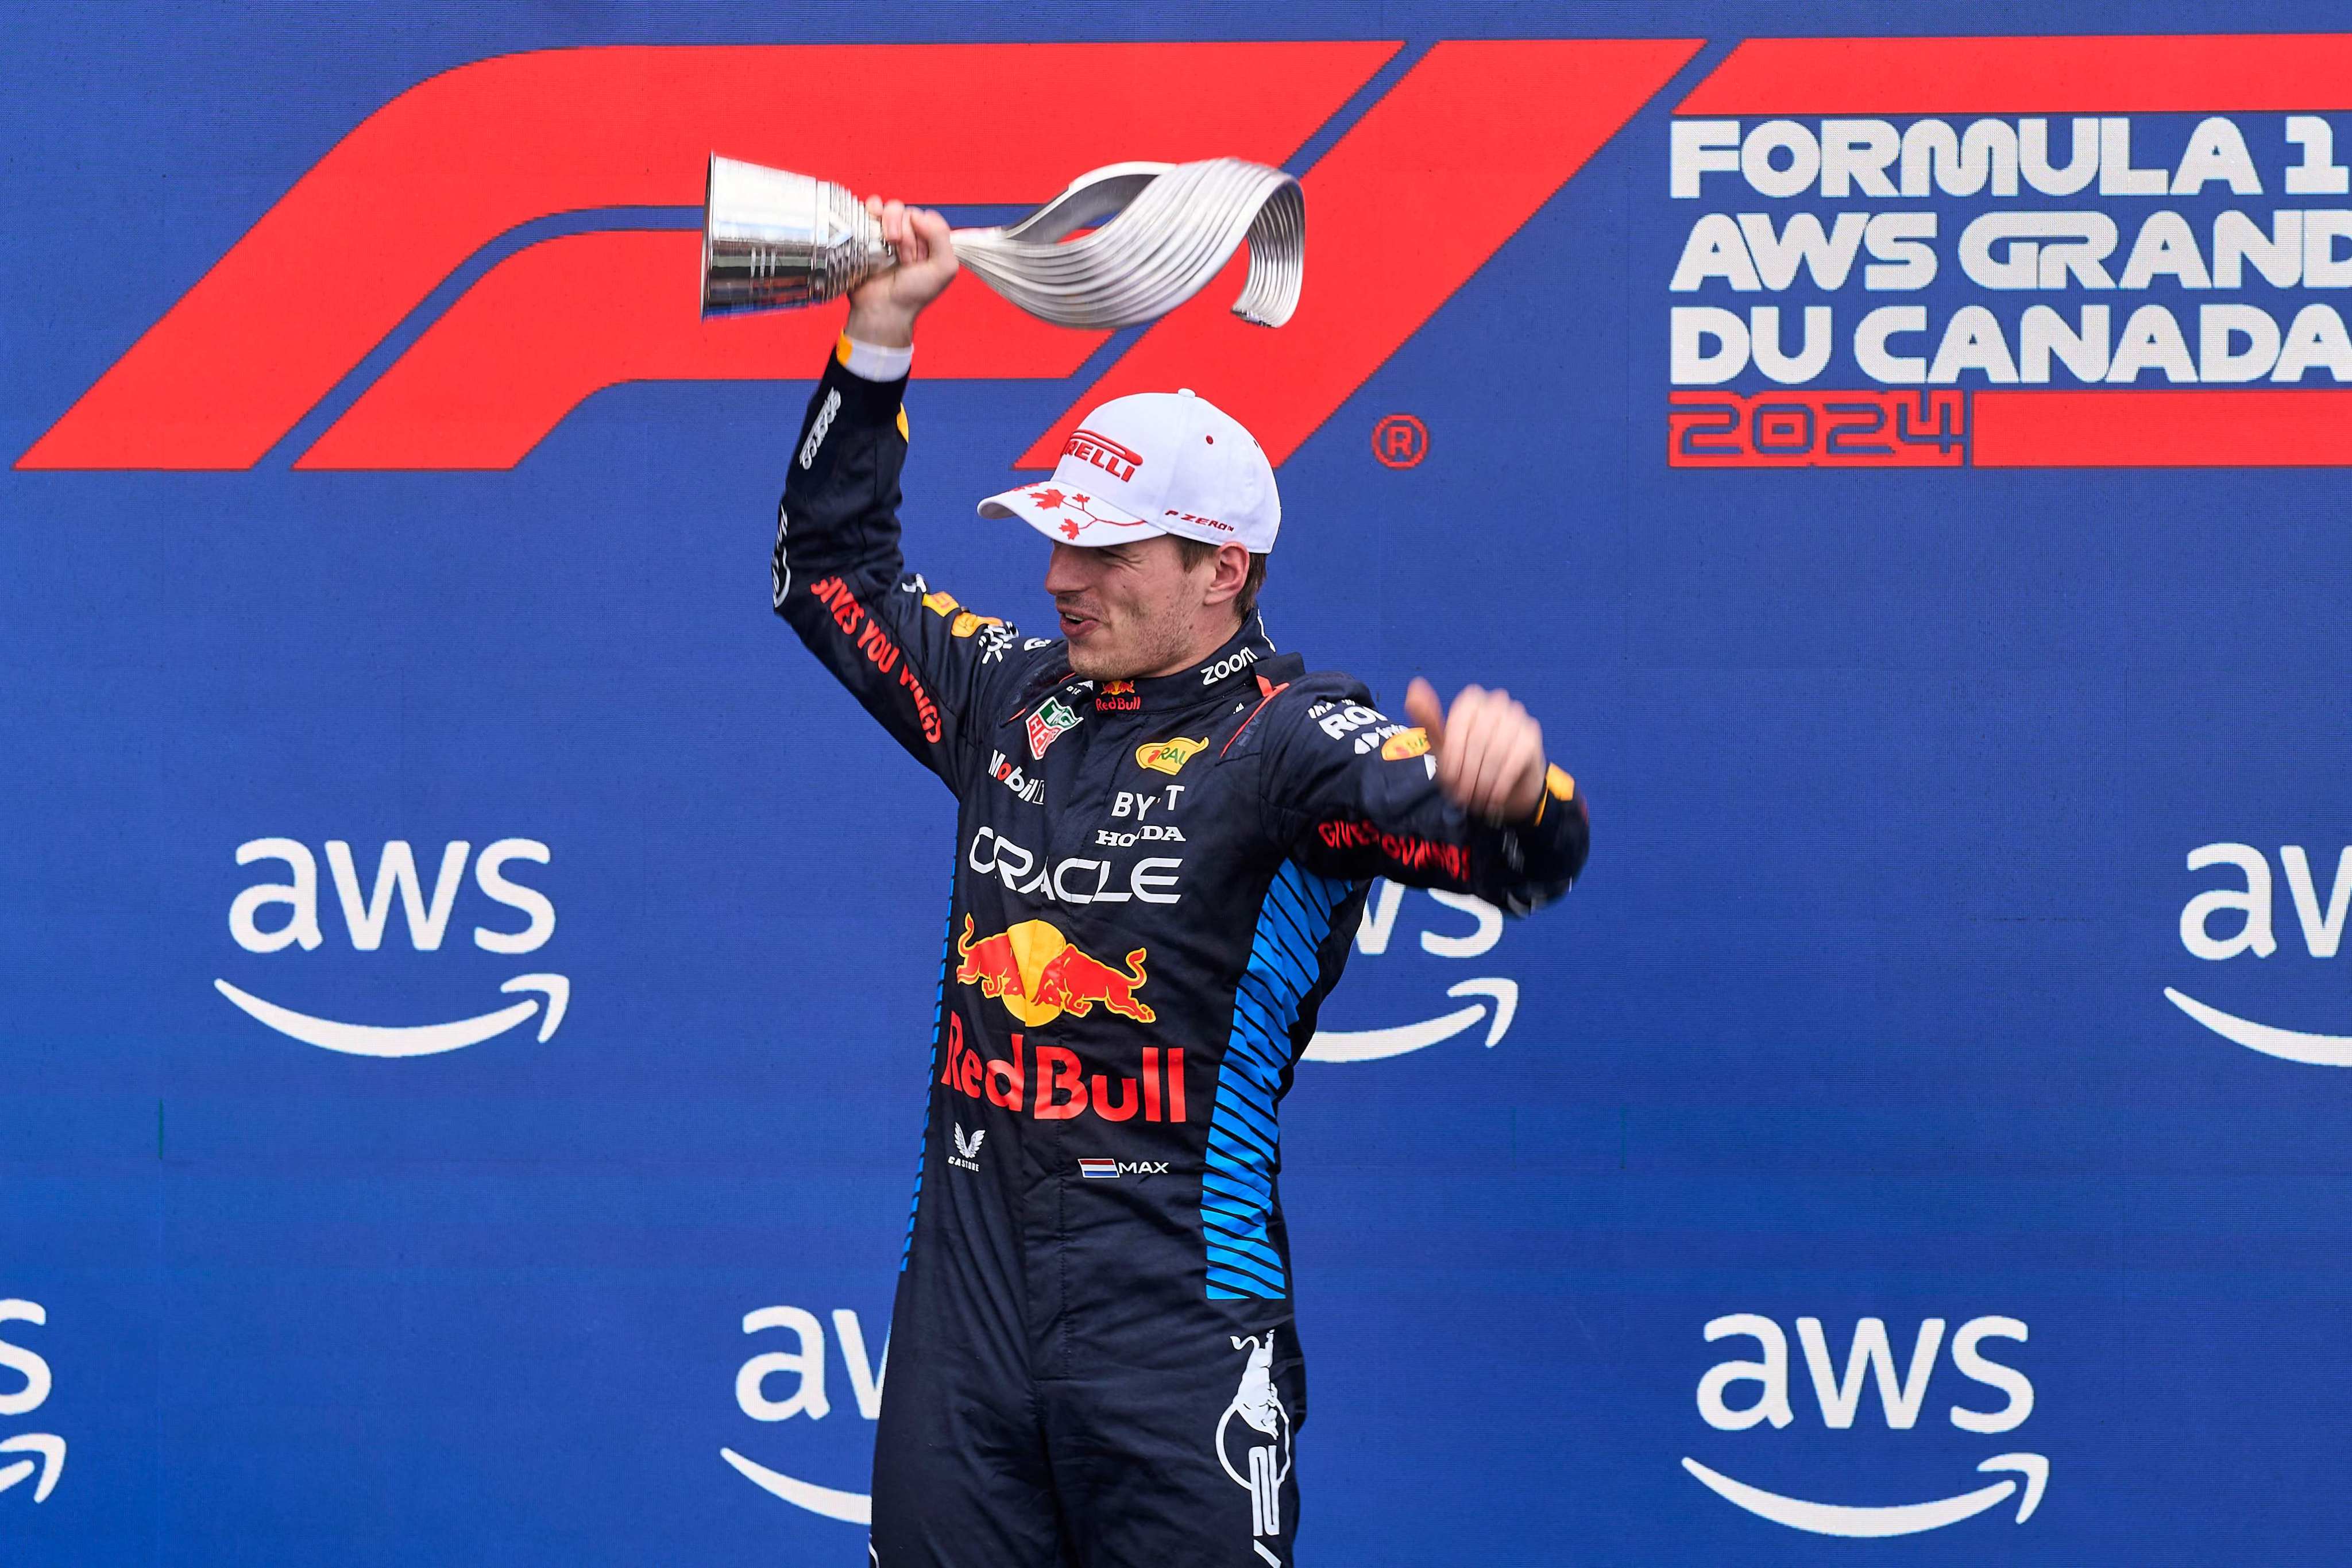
[1400, 441]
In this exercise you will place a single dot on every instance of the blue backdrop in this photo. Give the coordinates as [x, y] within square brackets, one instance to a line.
[1859, 1014]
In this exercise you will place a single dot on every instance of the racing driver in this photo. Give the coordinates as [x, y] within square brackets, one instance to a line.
[1165, 831]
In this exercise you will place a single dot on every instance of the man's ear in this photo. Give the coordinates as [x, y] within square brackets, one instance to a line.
[1231, 570]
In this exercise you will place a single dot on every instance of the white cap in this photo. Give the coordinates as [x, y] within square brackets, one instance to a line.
[1156, 462]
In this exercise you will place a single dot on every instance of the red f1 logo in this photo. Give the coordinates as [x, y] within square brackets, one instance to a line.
[1456, 155]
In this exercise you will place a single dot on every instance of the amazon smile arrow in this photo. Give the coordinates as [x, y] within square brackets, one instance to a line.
[52, 1450]
[1371, 1045]
[2289, 1044]
[415, 1039]
[850, 1508]
[1900, 1519]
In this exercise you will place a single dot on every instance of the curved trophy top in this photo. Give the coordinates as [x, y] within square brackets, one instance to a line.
[1166, 230]
[1091, 197]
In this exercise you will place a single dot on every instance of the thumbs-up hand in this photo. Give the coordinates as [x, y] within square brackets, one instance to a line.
[1489, 751]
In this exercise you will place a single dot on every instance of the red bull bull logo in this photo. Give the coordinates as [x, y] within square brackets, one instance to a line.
[1032, 969]
[1064, 1089]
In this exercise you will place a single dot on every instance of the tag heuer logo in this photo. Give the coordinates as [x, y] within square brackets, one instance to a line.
[1168, 756]
[1052, 716]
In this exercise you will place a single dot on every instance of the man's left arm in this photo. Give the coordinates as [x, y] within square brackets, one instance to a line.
[1464, 800]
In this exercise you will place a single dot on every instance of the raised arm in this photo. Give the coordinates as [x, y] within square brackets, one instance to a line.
[917, 659]
[1463, 801]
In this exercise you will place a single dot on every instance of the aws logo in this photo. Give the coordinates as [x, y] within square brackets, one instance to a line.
[47, 1448]
[2206, 919]
[367, 908]
[805, 1398]
[1838, 1394]
[538, 323]
[1497, 997]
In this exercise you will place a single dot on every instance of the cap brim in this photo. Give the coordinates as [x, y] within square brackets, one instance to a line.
[1069, 517]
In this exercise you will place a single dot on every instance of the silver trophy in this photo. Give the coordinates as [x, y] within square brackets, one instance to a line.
[774, 241]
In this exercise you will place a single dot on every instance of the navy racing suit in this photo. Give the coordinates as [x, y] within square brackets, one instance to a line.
[1092, 1361]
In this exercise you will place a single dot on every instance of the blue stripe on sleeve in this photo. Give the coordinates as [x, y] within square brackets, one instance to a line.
[1237, 1187]
[938, 1020]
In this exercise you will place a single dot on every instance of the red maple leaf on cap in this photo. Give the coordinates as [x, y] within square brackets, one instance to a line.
[1049, 498]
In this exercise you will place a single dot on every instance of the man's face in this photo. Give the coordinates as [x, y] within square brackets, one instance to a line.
[1129, 610]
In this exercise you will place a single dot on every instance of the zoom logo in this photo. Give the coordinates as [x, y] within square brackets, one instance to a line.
[1240, 658]
[2239, 918]
[291, 907]
[1740, 1395]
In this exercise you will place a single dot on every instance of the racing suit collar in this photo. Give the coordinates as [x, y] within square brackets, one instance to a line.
[1243, 668]
[1227, 674]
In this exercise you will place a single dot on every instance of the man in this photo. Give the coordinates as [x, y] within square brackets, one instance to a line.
[1165, 831]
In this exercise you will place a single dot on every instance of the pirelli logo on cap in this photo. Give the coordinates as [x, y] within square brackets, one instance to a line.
[1092, 447]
